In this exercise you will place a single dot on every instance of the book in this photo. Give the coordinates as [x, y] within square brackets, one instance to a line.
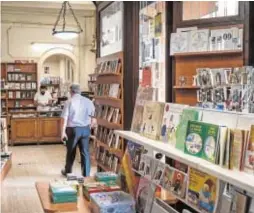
[179, 42]
[150, 165]
[249, 157]
[152, 117]
[202, 140]
[219, 76]
[239, 203]
[114, 90]
[145, 196]
[112, 202]
[134, 151]
[237, 148]
[143, 95]
[166, 181]
[171, 118]
[187, 114]
[158, 174]
[202, 190]
[222, 144]
[179, 184]
[204, 77]
[199, 40]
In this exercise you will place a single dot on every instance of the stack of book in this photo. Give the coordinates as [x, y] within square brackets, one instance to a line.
[62, 192]
[112, 202]
[107, 177]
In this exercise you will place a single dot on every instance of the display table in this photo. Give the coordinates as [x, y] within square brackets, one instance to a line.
[42, 188]
[35, 127]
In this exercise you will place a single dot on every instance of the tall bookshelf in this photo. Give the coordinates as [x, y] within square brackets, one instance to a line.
[109, 70]
[20, 85]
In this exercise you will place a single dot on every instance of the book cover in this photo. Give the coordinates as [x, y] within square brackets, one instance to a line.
[135, 152]
[222, 144]
[114, 90]
[249, 157]
[143, 95]
[179, 184]
[237, 148]
[202, 190]
[179, 42]
[141, 168]
[187, 114]
[166, 181]
[202, 140]
[152, 117]
[219, 76]
[158, 25]
[199, 40]
[145, 196]
[158, 174]
[150, 165]
[171, 118]
[239, 202]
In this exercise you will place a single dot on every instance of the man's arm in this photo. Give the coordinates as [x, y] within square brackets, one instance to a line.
[64, 116]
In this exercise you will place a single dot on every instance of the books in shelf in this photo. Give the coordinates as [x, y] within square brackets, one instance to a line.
[202, 140]
[152, 118]
[110, 90]
[202, 190]
[112, 66]
[108, 113]
[249, 155]
[143, 94]
[171, 118]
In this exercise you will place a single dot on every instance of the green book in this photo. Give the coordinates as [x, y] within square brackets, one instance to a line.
[66, 199]
[187, 114]
[202, 140]
[62, 189]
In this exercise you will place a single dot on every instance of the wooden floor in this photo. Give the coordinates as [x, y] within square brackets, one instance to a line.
[31, 164]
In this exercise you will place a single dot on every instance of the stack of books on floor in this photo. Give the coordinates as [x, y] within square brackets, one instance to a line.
[62, 192]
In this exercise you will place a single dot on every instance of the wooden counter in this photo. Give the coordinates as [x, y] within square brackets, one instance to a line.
[25, 130]
[49, 207]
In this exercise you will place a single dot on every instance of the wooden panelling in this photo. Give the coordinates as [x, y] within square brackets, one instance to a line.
[24, 130]
[49, 129]
[107, 79]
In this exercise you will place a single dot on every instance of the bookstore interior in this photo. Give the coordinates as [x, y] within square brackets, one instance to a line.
[172, 89]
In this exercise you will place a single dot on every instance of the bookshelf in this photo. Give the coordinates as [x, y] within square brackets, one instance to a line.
[20, 81]
[109, 72]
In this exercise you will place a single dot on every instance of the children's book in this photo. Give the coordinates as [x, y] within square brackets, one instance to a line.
[152, 117]
[171, 118]
[143, 95]
[187, 114]
[158, 174]
[145, 196]
[249, 157]
[202, 140]
[202, 190]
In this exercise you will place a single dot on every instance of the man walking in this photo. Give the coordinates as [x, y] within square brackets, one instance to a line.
[77, 117]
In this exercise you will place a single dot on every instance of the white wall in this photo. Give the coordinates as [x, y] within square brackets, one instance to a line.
[19, 29]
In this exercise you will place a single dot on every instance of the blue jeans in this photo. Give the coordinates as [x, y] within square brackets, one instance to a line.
[78, 136]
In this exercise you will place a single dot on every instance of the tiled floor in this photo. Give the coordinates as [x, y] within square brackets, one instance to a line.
[32, 163]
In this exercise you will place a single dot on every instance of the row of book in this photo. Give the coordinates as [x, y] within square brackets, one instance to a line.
[108, 137]
[50, 80]
[20, 77]
[207, 77]
[110, 90]
[107, 159]
[203, 40]
[20, 94]
[182, 128]
[196, 188]
[22, 86]
[108, 67]
[111, 114]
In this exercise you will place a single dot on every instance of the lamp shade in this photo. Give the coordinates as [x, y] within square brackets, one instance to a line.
[66, 35]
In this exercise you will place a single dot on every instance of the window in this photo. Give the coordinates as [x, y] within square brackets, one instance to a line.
[193, 10]
[152, 43]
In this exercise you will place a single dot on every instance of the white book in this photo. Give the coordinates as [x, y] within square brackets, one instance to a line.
[114, 90]
[179, 42]
[227, 39]
[199, 40]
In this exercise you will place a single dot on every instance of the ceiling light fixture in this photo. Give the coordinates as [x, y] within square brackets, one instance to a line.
[63, 33]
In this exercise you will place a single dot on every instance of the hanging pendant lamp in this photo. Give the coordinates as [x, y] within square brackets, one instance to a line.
[62, 33]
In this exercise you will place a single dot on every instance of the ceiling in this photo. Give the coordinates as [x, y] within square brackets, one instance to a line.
[50, 7]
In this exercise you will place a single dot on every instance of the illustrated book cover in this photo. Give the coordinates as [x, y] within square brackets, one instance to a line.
[202, 140]
[202, 190]
[152, 117]
[171, 118]
[249, 157]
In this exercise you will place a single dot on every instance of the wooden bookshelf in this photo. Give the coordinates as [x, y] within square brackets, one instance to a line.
[209, 53]
[110, 76]
[26, 76]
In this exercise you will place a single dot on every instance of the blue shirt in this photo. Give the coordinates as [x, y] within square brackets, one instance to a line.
[78, 111]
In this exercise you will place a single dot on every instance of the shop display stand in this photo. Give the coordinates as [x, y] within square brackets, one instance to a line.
[110, 78]
[29, 75]
[185, 65]
[238, 179]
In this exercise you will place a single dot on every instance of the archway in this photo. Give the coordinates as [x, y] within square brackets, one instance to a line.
[57, 51]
